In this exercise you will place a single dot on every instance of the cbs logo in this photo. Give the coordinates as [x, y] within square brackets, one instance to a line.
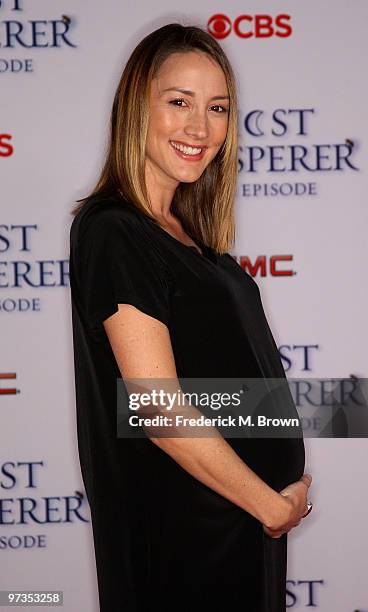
[249, 26]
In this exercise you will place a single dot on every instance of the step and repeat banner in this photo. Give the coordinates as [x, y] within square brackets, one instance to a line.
[301, 232]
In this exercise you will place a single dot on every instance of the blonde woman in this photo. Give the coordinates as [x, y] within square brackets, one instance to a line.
[184, 522]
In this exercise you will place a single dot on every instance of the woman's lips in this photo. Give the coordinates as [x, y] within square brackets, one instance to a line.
[187, 155]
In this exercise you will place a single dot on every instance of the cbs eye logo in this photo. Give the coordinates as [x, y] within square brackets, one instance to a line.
[249, 26]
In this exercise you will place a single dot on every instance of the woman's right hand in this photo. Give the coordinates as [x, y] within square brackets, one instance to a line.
[295, 496]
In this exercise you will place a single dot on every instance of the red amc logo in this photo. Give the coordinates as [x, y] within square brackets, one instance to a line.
[249, 26]
[271, 269]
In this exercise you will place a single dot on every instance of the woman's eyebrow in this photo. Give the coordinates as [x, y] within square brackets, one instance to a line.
[191, 93]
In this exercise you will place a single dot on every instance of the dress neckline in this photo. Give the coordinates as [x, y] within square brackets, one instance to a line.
[208, 253]
[188, 246]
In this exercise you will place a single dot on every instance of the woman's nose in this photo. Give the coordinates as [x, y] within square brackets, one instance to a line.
[197, 125]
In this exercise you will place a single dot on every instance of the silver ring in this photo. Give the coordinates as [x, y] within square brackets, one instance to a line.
[309, 506]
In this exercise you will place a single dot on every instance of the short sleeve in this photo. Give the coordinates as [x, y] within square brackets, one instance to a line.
[117, 264]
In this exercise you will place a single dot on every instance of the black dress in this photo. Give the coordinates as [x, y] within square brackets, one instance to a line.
[162, 538]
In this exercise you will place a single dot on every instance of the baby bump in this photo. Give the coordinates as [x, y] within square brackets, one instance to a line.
[278, 461]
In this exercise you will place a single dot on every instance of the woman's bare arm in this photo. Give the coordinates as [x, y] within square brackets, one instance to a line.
[142, 348]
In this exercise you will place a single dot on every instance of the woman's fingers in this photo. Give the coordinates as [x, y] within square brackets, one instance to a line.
[273, 534]
[307, 479]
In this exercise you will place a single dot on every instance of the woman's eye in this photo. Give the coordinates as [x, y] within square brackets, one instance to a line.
[223, 108]
[177, 100]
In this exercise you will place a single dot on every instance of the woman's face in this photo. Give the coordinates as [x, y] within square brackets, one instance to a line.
[196, 117]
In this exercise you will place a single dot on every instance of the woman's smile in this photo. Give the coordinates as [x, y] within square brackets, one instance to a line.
[190, 153]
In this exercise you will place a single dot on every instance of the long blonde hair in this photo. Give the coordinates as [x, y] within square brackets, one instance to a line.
[205, 207]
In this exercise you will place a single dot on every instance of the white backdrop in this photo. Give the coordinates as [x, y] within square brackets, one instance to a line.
[302, 94]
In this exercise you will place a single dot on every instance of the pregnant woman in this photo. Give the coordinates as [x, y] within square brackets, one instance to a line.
[179, 523]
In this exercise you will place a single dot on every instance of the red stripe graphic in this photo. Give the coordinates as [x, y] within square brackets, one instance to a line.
[8, 390]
